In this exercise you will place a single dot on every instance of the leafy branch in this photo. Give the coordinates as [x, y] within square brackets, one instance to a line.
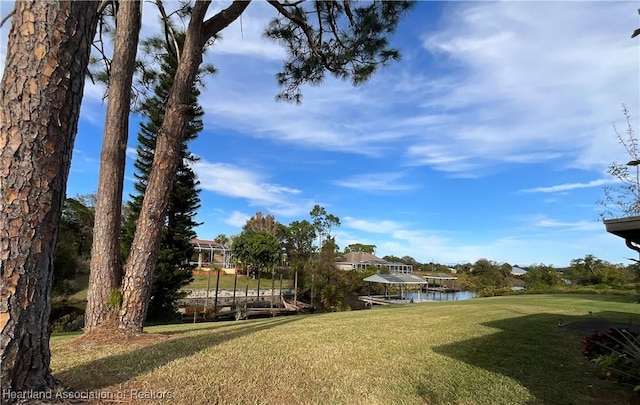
[623, 199]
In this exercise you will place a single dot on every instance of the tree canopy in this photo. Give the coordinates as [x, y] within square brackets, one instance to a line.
[256, 251]
[359, 247]
[298, 243]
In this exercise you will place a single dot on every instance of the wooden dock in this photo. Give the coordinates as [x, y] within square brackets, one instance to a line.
[241, 310]
[371, 300]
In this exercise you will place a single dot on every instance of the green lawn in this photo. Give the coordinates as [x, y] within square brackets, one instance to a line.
[227, 280]
[502, 350]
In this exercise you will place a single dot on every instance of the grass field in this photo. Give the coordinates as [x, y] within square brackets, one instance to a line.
[227, 280]
[502, 350]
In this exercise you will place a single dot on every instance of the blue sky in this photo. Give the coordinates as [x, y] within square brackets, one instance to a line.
[489, 139]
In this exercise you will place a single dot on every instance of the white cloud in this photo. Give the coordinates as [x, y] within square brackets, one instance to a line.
[558, 244]
[530, 82]
[542, 221]
[233, 181]
[131, 152]
[237, 219]
[569, 186]
[83, 162]
[370, 226]
[532, 239]
[376, 182]
[333, 117]
[510, 82]
[244, 36]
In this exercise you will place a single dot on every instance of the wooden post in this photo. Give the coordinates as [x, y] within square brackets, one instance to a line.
[312, 291]
[295, 288]
[235, 284]
[273, 287]
[215, 303]
[206, 299]
[259, 285]
[246, 290]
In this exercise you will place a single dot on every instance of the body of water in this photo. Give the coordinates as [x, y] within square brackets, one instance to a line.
[438, 296]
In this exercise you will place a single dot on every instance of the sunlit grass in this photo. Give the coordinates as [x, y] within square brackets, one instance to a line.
[226, 282]
[503, 350]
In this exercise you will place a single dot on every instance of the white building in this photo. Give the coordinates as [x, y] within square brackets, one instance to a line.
[362, 260]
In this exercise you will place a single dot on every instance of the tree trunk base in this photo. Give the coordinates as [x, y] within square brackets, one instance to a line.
[109, 335]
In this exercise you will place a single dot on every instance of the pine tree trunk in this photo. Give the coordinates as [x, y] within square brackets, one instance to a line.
[146, 241]
[138, 276]
[106, 272]
[40, 96]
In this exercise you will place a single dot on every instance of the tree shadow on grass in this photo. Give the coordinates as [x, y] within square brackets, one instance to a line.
[543, 355]
[205, 326]
[122, 367]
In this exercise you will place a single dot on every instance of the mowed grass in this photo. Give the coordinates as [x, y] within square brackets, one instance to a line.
[226, 282]
[502, 350]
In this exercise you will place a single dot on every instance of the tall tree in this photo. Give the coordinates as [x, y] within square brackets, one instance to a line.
[106, 266]
[172, 269]
[488, 273]
[264, 223]
[323, 222]
[591, 270]
[298, 243]
[78, 214]
[346, 41]
[40, 95]
[322, 277]
[223, 239]
[540, 275]
[359, 247]
[256, 251]
[74, 240]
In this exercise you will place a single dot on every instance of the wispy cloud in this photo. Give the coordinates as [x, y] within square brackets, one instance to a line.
[132, 153]
[375, 183]
[542, 221]
[244, 36]
[237, 219]
[370, 226]
[540, 239]
[84, 163]
[569, 186]
[527, 84]
[232, 181]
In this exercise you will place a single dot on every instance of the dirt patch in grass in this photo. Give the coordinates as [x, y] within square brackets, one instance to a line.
[117, 336]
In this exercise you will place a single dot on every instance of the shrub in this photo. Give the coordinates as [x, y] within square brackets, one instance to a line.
[64, 287]
[494, 292]
[70, 322]
[616, 352]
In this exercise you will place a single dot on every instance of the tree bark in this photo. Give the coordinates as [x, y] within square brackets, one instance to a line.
[106, 268]
[144, 248]
[40, 96]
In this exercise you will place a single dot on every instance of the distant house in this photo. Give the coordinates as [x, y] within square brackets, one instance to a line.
[362, 260]
[518, 271]
[209, 253]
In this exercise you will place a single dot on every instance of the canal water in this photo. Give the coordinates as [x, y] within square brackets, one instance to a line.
[441, 296]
